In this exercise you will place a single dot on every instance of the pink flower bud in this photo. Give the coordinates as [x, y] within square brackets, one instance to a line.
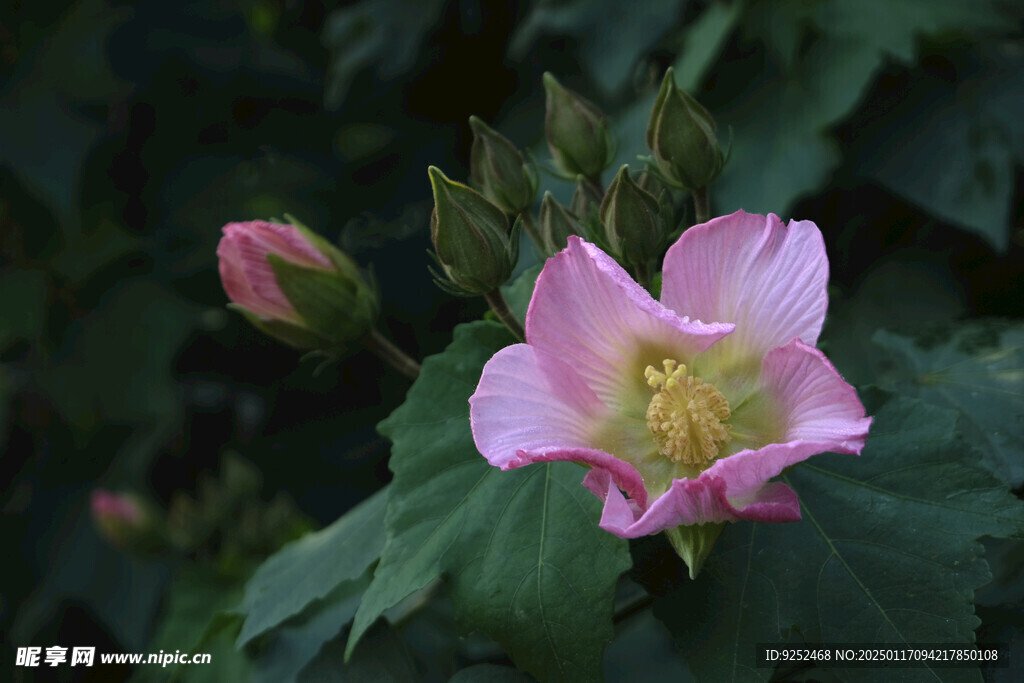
[125, 521]
[119, 507]
[247, 275]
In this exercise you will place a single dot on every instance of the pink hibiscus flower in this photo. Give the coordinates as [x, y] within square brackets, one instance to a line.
[685, 409]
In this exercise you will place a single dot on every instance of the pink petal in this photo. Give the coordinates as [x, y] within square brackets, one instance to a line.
[239, 286]
[247, 275]
[767, 278]
[818, 403]
[284, 240]
[119, 506]
[588, 311]
[819, 412]
[531, 406]
[694, 501]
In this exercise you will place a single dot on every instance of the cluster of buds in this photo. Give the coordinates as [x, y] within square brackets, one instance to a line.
[295, 286]
[634, 219]
[227, 518]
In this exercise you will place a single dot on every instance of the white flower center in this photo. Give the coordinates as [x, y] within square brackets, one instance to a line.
[686, 415]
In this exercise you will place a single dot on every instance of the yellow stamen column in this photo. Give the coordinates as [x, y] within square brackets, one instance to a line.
[687, 418]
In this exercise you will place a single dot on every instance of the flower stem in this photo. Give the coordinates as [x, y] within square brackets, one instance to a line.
[595, 185]
[391, 354]
[701, 210]
[505, 315]
[530, 226]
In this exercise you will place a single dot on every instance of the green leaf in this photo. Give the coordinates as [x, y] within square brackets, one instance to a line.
[294, 644]
[384, 35]
[643, 644]
[887, 551]
[24, 295]
[381, 657]
[974, 366]
[702, 41]
[197, 619]
[528, 565]
[958, 144]
[519, 292]
[612, 35]
[489, 673]
[313, 566]
[115, 364]
[827, 53]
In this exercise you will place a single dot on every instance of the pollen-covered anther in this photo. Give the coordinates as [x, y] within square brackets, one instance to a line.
[686, 415]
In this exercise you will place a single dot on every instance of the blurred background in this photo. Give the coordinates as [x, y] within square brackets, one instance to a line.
[132, 131]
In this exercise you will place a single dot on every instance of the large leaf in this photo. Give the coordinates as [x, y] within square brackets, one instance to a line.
[929, 293]
[887, 551]
[313, 566]
[115, 365]
[827, 54]
[24, 295]
[294, 644]
[613, 35]
[958, 143]
[381, 657]
[976, 367]
[197, 619]
[384, 35]
[528, 565]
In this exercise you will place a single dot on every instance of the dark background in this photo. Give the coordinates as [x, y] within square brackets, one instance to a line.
[130, 132]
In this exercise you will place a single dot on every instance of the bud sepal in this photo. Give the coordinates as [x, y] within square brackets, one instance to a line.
[557, 223]
[577, 132]
[498, 170]
[635, 225]
[681, 133]
[473, 245]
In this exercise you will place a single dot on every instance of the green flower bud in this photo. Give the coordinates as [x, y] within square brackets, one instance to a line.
[635, 227]
[556, 224]
[650, 183]
[576, 131]
[471, 239]
[681, 133]
[498, 170]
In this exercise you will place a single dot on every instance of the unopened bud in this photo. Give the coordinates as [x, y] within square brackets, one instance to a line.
[294, 285]
[635, 227]
[556, 224]
[471, 238]
[681, 133]
[577, 132]
[126, 521]
[498, 170]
